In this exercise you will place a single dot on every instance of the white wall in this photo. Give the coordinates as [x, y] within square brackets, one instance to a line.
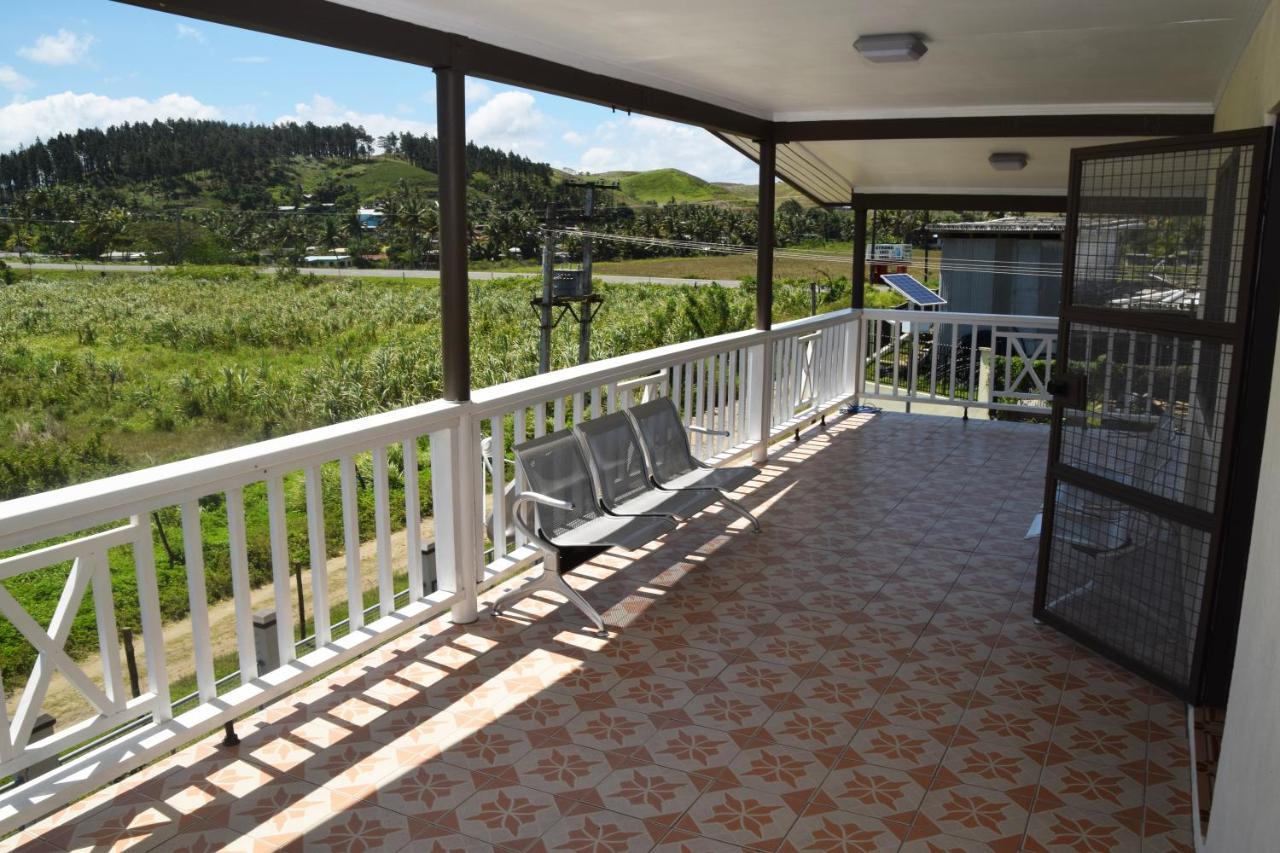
[1246, 803]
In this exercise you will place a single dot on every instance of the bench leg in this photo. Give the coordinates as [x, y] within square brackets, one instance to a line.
[740, 510]
[550, 580]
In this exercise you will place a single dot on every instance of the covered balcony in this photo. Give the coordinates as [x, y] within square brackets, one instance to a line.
[866, 672]
[862, 674]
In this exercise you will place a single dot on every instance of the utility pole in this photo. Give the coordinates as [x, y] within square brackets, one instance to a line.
[544, 307]
[584, 322]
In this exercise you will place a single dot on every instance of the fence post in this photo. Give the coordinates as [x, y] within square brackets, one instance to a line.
[855, 364]
[265, 642]
[455, 464]
[760, 397]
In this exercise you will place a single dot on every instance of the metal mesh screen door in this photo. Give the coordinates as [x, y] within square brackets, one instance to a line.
[1160, 258]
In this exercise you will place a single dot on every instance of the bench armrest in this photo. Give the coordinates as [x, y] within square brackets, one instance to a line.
[535, 497]
[721, 432]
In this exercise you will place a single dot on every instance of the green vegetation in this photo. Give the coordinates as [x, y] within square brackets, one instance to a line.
[111, 373]
[663, 185]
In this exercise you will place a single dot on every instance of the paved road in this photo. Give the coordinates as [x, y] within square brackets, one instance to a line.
[476, 275]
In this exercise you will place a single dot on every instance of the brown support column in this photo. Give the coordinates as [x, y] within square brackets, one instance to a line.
[455, 324]
[764, 235]
[859, 283]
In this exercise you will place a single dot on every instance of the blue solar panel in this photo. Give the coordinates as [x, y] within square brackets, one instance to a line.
[912, 290]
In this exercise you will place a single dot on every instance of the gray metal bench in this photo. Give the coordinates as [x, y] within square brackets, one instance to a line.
[671, 463]
[560, 511]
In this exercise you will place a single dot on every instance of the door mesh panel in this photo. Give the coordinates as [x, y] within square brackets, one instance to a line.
[1164, 231]
[1155, 412]
[1129, 578]
[618, 460]
[554, 466]
[665, 437]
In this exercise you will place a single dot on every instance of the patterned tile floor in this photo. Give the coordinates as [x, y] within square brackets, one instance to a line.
[863, 675]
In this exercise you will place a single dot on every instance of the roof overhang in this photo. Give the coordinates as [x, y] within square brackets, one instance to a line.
[1036, 77]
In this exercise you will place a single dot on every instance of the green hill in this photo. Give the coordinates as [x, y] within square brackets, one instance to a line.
[373, 177]
[662, 185]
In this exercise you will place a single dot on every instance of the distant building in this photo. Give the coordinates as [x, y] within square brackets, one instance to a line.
[1011, 265]
[370, 217]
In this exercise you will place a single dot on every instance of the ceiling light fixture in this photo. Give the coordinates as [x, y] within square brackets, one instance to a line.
[1008, 161]
[891, 47]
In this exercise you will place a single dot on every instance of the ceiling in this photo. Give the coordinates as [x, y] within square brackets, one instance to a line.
[794, 62]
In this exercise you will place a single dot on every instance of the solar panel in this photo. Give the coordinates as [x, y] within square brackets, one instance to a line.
[912, 290]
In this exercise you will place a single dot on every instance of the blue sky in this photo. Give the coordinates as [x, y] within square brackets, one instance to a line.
[82, 63]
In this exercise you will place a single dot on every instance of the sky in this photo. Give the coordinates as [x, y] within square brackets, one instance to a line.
[70, 64]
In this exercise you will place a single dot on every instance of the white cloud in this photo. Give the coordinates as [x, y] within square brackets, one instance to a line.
[251, 60]
[186, 31]
[12, 80]
[510, 121]
[574, 138]
[65, 48]
[475, 90]
[23, 121]
[639, 143]
[324, 110]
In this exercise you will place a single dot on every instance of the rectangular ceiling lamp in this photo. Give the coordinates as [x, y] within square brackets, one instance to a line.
[891, 47]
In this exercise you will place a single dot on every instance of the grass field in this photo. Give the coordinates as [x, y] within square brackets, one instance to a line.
[108, 373]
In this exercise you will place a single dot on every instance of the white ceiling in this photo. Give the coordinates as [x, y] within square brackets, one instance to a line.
[790, 61]
[793, 61]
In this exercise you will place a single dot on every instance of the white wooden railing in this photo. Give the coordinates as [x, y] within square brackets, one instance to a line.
[982, 361]
[754, 385]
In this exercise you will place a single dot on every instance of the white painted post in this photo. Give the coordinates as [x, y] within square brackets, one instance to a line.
[760, 398]
[144, 561]
[454, 456]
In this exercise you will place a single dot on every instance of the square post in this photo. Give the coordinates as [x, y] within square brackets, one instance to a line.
[455, 453]
[765, 233]
[858, 284]
[455, 329]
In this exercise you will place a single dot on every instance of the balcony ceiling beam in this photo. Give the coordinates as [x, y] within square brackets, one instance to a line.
[956, 201]
[347, 28]
[995, 127]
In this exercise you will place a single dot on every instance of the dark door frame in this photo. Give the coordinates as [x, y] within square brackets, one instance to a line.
[1253, 336]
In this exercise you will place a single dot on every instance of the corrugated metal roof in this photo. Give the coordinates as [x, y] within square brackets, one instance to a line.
[1004, 225]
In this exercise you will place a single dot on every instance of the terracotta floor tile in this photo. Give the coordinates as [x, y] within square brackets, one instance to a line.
[1068, 830]
[609, 729]
[727, 710]
[979, 814]
[922, 709]
[693, 749]
[836, 694]
[487, 748]
[860, 664]
[507, 815]
[1100, 742]
[1089, 786]
[562, 769]
[741, 816]
[809, 728]
[784, 770]
[788, 650]
[651, 694]
[1000, 767]
[761, 678]
[873, 790]
[837, 830]
[428, 791]
[681, 841]
[651, 792]
[898, 746]
[1005, 725]
[602, 831]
